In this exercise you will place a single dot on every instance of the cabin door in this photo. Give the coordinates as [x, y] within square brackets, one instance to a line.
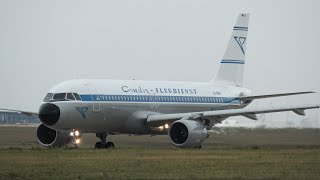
[95, 99]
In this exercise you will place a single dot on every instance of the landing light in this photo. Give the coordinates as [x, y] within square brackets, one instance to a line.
[76, 133]
[166, 126]
[77, 141]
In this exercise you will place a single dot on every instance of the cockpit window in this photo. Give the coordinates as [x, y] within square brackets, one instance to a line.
[77, 96]
[51, 97]
[70, 96]
[48, 97]
[59, 97]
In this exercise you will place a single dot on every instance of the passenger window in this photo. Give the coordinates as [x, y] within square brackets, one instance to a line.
[48, 97]
[70, 96]
[59, 97]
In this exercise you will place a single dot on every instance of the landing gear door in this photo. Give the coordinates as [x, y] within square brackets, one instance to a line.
[95, 99]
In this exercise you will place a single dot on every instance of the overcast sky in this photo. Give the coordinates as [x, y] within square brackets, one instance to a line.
[45, 42]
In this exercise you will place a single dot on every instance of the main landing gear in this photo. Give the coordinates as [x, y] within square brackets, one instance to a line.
[103, 144]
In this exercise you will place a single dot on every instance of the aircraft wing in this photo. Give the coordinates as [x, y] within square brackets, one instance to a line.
[248, 98]
[26, 112]
[156, 120]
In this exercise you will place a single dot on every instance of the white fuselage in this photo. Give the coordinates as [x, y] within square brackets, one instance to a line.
[122, 106]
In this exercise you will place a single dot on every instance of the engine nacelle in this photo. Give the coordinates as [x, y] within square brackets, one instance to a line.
[52, 138]
[187, 133]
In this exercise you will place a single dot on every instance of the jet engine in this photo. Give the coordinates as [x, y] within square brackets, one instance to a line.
[187, 133]
[52, 138]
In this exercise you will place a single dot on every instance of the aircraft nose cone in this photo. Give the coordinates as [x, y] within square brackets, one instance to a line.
[49, 114]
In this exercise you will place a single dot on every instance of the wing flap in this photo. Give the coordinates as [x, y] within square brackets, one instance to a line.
[158, 119]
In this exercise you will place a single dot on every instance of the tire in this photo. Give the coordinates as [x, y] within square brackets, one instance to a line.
[98, 145]
[109, 145]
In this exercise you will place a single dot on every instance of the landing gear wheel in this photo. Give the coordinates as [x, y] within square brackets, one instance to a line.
[109, 145]
[103, 144]
[98, 145]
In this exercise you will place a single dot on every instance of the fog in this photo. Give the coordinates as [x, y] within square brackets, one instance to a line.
[45, 42]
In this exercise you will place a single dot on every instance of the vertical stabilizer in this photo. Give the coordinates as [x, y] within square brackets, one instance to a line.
[232, 64]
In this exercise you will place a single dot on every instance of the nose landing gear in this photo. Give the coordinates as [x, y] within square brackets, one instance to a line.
[103, 144]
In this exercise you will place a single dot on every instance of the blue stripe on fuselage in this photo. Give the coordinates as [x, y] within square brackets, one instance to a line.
[147, 98]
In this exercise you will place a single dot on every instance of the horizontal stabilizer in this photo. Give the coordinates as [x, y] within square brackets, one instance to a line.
[249, 98]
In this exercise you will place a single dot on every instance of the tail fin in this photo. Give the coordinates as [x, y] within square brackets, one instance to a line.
[232, 64]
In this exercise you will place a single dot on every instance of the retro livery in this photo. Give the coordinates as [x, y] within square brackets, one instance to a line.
[184, 110]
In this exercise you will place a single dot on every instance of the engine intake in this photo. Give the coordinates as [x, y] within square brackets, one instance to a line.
[52, 138]
[187, 133]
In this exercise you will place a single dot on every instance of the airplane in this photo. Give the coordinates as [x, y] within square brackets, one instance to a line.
[185, 111]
